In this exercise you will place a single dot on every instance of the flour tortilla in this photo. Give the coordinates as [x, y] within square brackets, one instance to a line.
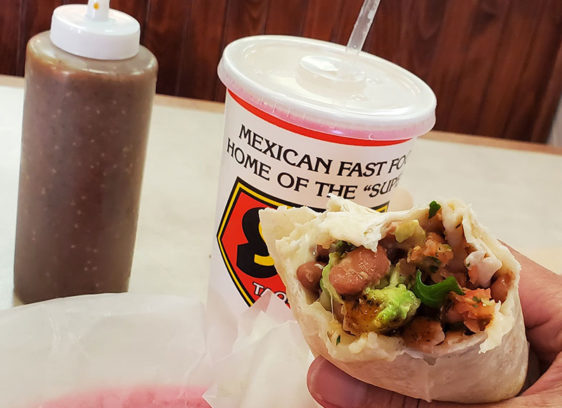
[485, 367]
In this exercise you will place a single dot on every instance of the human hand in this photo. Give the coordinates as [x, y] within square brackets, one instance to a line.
[540, 291]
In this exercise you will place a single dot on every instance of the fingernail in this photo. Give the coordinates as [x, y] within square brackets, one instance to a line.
[332, 388]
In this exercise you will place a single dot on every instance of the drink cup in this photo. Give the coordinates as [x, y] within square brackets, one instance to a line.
[304, 119]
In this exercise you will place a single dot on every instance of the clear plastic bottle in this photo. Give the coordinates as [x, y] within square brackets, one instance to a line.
[88, 101]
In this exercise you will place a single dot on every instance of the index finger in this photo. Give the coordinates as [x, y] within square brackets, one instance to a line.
[540, 291]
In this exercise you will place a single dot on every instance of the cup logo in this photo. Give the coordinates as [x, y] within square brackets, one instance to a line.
[242, 247]
[252, 257]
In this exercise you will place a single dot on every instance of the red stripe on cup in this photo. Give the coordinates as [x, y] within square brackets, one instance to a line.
[315, 134]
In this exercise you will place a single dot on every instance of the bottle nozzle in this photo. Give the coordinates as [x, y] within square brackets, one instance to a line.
[95, 31]
[98, 10]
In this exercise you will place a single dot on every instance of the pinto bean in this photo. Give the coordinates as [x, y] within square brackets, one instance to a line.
[309, 274]
[322, 253]
[500, 287]
[358, 269]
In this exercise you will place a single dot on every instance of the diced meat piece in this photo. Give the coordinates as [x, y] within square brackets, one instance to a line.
[436, 238]
[358, 269]
[452, 316]
[433, 224]
[460, 277]
[456, 265]
[444, 273]
[423, 334]
[359, 315]
[475, 325]
[406, 269]
[309, 275]
[460, 247]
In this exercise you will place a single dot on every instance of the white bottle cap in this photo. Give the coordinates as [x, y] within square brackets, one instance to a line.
[95, 31]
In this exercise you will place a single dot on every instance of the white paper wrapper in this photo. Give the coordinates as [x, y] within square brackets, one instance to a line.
[100, 342]
[268, 363]
[141, 349]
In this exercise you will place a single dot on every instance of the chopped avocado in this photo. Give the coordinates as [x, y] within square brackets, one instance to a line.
[434, 206]
[394, 278]
[326, 286]
[395, 306]
[407, 229]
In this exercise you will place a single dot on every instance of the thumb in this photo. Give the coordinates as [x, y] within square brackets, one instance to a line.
[332, 388]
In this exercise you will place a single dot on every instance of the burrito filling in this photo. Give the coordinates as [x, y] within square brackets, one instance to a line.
[418, 284]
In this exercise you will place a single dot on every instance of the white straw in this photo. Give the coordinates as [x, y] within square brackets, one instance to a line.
[362, 25]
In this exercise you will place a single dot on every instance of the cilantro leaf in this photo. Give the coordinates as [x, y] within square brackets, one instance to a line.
[342, 247]
[434, 295]
[434, 206]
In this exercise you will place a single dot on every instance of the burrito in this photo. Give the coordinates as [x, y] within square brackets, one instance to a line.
[422, 302]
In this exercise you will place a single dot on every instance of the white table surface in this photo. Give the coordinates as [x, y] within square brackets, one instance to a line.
[517, 194]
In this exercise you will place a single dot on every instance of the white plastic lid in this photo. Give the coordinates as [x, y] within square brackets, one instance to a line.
[95, 31]
[321, 86]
